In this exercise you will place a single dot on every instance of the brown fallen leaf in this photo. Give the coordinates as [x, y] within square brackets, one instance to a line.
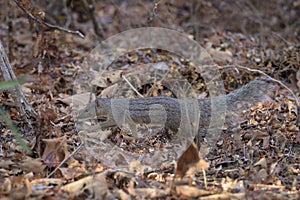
[187, 160]
[44, 182]
[225, 195]
[190, 162]
[262, 162]
[5, 186]
[55, 151]
[48, 114]
[73, 170]
[144, 193]
[32, 165]
[191, 192]
[96, 184]
[6, 164]
[220, 57]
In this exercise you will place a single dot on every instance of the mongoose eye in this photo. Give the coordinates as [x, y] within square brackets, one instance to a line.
[102, 119]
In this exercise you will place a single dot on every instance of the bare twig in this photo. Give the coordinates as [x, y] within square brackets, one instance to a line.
[65, 159]
[96, 23]
[283, 39]
[204, 176]
[9, 74]
[132, 87]
[40, 21]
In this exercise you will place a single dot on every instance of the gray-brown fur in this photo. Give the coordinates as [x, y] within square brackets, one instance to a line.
[140, 109]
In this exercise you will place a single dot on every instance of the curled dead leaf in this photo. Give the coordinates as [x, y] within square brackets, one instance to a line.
[190, 162]
[55, 151]
[262, 162]
[6, 164]
[191, 192]
[44, 182]
[33, 165]
[5, 187]
[96, 184]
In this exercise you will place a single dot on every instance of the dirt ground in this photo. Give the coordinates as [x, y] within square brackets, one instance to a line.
[258, 159]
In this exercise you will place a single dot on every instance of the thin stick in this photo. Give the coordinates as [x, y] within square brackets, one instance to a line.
[65, 159]
[47, 24]
[287, 42]
[9, 74]
[132, 87]
[97, 25]
[204, 176]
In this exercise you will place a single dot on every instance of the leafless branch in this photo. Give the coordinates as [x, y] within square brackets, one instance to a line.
[132, 87]
[9, 74]
[65, 159]
[40, 21]
[97, 26]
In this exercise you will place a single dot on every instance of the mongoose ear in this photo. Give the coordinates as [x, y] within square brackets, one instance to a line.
[258, 90]
[266, 86]
[261, 83]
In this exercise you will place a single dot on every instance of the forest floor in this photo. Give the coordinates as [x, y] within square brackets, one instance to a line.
[258, 160]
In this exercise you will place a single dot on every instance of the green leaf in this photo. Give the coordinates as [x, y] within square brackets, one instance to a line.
[15, 131]
[11, 84]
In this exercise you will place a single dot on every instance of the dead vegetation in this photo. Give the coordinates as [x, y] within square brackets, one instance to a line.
[259, 160]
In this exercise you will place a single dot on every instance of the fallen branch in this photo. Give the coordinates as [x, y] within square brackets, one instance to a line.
[9, 74]
[40, 21]
[96, 23]
[65, 159]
